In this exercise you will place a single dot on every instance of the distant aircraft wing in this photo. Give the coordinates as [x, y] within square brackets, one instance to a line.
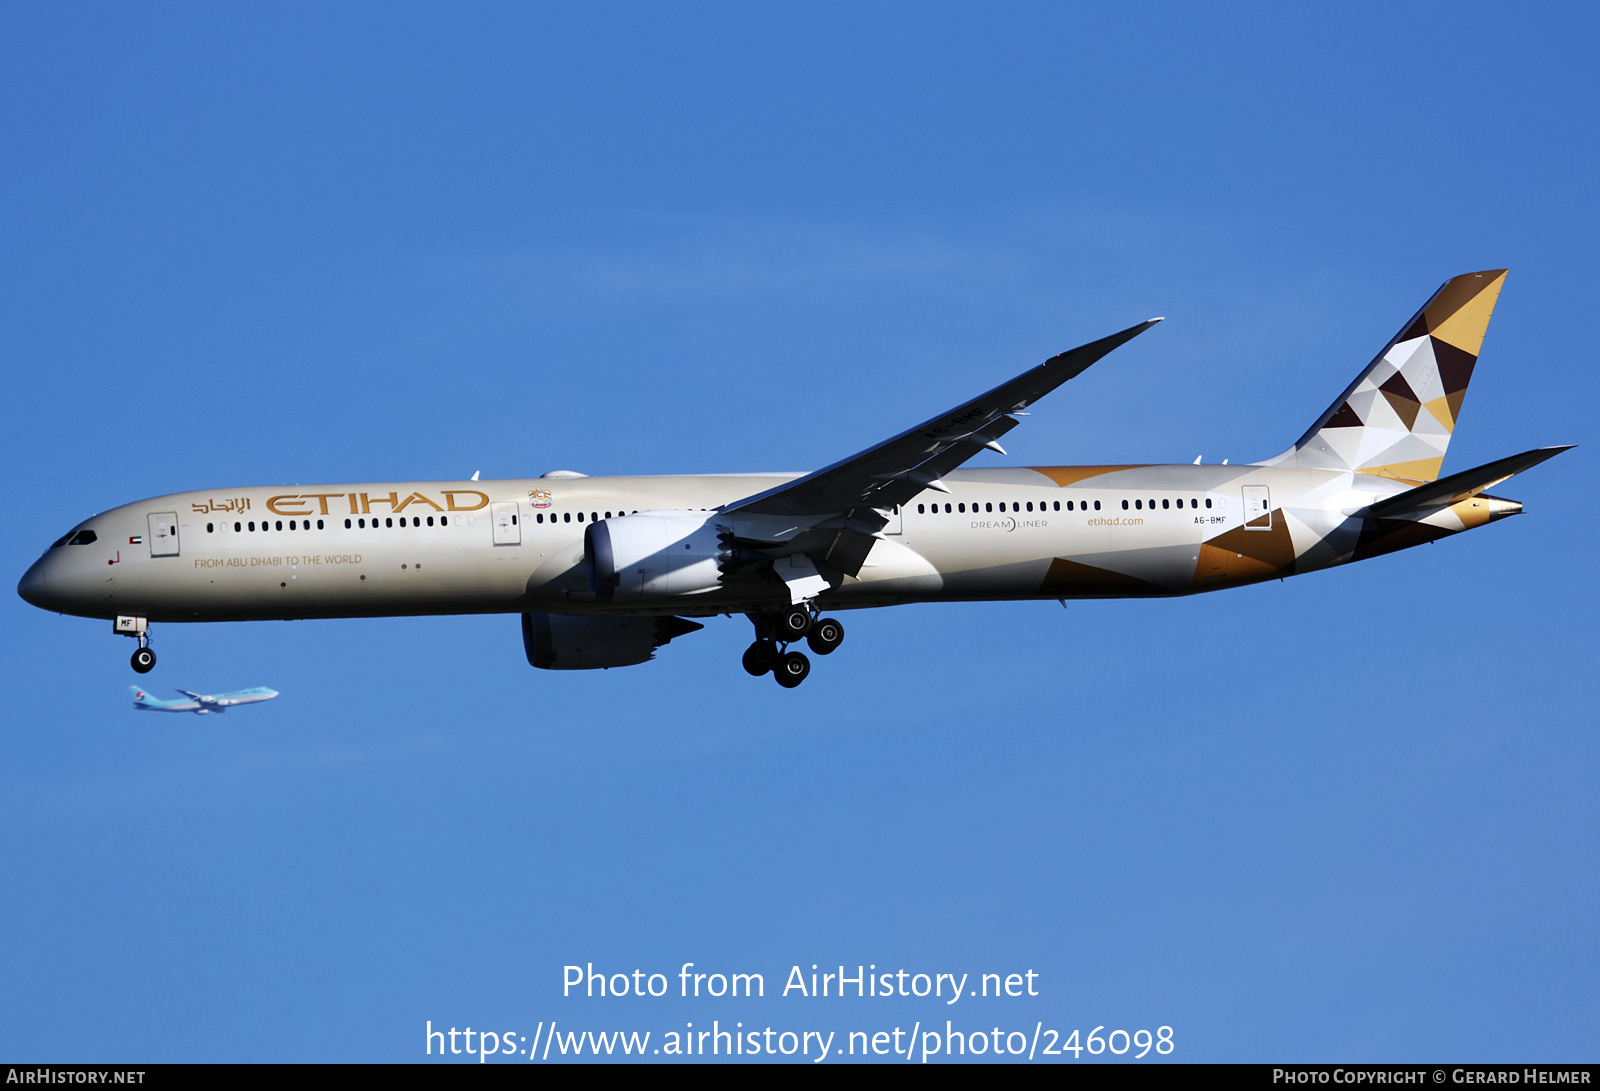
[854, 491]
[220, 702]
[207, 702]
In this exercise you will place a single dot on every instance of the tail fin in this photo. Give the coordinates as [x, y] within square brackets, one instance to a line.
[1397, 417]
[140, 697]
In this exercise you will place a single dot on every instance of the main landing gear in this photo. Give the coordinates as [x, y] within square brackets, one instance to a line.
[774, 634]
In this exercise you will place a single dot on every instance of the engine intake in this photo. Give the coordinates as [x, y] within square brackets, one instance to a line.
[652, 555]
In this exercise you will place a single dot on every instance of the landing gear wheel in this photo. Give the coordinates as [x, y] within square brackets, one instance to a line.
[826, 634]
[794, 623]
[760, 657]
[791, 670]
[144, 660]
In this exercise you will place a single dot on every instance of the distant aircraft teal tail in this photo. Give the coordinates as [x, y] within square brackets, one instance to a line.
[143, 699]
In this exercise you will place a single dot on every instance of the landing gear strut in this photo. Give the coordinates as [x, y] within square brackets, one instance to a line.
[774, 634]
[144, 660]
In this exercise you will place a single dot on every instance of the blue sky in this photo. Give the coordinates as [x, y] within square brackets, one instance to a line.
[1346, 817]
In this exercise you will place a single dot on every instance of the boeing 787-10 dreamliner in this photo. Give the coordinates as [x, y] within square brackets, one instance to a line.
[605, 570]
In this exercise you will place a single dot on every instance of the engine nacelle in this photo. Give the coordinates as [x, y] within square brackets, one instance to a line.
[653, 555]
[561, 642]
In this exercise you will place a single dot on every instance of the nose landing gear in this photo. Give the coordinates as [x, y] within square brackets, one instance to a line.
[774, 633]
[144, 660]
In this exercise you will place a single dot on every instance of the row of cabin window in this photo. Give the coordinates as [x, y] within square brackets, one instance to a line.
[416, 521]
[1083, 505]
[1139, 504]
[1015, 506]
[566, 516]
[304, 524]
[361, 524]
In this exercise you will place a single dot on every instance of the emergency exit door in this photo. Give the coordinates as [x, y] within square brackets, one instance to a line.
[163, 534]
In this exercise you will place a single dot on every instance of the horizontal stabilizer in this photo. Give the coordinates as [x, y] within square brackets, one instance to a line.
[1458, 487]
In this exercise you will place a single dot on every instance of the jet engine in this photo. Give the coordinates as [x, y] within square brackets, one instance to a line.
[652, 555]
[563, 643]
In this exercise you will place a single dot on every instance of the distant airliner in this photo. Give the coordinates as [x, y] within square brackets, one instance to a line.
[201, 703]
[606, 570]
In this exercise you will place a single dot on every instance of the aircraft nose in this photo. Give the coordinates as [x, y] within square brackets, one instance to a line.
[34, 587]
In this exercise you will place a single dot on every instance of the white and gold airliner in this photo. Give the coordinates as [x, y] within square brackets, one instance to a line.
[605, 570]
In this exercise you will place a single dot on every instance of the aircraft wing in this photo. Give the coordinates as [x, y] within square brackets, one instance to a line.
[246, 696]
[841, 508]
[208, 702]
[897, 469]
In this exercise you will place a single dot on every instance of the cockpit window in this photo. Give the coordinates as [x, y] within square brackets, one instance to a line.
[61, 541]
[83, 537]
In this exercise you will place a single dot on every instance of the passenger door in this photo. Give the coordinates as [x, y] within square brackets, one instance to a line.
[163, 534]
[1257, 508]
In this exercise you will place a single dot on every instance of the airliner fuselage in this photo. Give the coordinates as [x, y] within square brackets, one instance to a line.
[402, 548]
